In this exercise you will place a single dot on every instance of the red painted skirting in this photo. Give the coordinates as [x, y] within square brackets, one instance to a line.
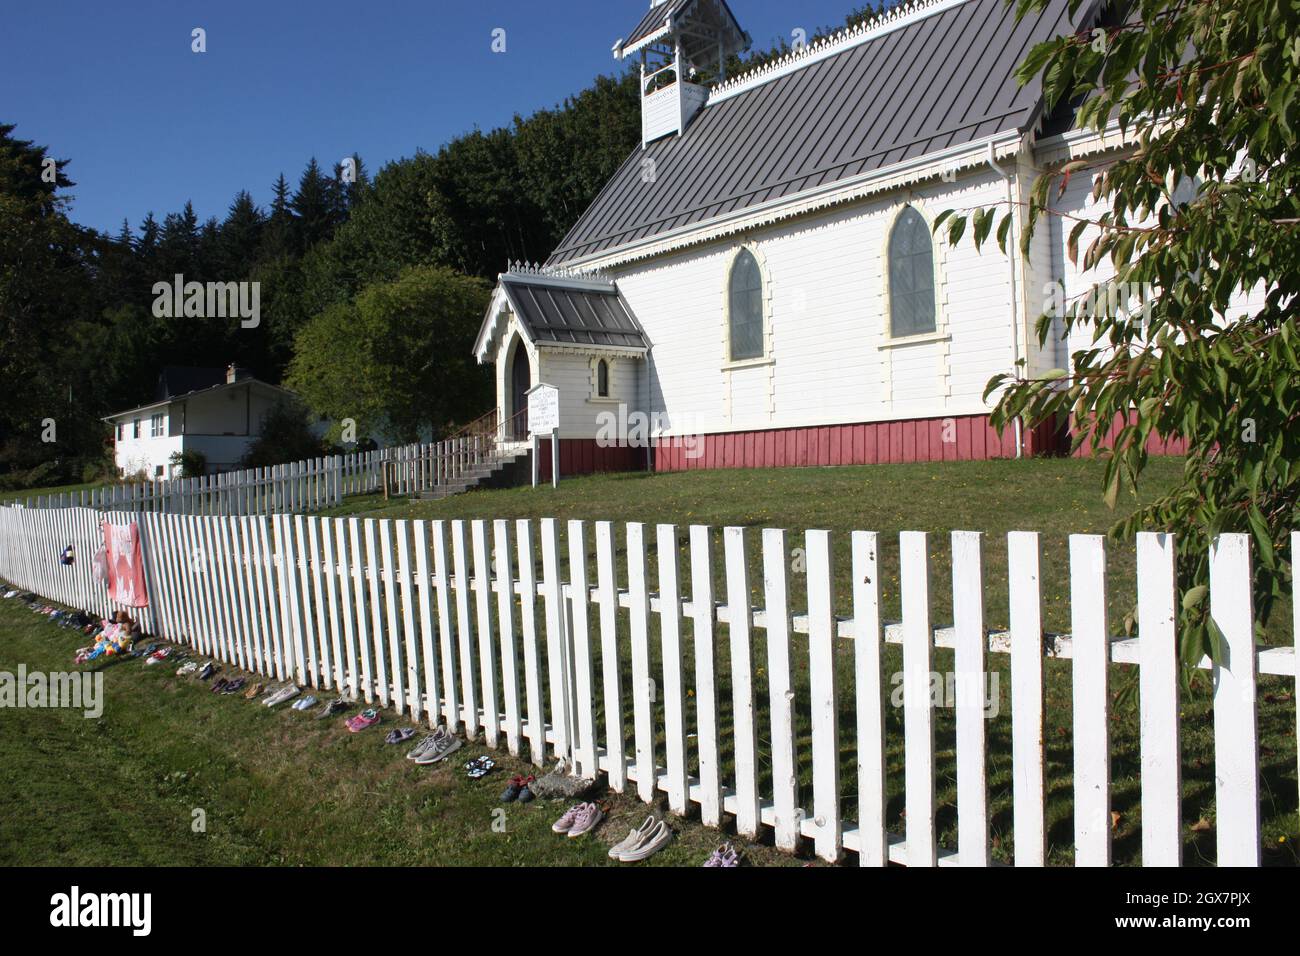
[1155, 444]
[583, 456]
[969, 438]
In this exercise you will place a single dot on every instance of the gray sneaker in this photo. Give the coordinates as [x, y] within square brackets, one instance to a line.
[440, 749]
[426, 743]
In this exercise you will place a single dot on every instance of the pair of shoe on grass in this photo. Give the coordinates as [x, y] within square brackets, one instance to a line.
[579, 819]
[643, 842]
[435, 747]
[520, 788]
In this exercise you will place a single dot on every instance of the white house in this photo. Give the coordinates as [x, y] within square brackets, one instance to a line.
[216, 412]
[759, 279]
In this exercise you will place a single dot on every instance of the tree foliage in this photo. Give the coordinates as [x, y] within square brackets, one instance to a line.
[394, 360]
[1203, 211]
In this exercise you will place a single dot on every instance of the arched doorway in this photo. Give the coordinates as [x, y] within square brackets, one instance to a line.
[521, 380]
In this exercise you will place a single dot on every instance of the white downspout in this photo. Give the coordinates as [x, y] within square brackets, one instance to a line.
[1013, 242]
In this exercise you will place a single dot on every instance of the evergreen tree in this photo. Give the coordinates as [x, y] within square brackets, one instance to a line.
[315, 206]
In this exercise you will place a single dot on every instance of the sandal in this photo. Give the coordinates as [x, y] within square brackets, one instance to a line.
[479, 767]
[399, 734]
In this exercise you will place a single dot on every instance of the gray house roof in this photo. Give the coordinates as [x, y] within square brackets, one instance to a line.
[935, 83]
[590, 314]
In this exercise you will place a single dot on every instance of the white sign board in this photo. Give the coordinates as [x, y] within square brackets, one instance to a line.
[543, 409]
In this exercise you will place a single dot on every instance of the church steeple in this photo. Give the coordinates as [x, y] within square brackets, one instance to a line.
[680, 42]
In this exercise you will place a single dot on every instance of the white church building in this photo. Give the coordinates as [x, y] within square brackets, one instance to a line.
[759, 279]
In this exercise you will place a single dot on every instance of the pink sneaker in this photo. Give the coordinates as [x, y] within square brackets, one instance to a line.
[589, 817]
[367, 718]
[566, 822]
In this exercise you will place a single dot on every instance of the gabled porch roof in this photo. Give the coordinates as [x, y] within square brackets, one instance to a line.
[561, 311]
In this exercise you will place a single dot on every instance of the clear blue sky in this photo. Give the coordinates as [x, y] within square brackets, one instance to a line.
[147, 124]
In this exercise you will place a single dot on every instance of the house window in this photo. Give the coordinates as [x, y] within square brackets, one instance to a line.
[911, 276]
[602, 379]
[121, 431]
[156, 428]
[745, 298]
[135, 428]
[158, 471]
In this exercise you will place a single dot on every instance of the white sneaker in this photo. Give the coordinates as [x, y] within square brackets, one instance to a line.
[632, 838]
[649, 844]
[288, 692]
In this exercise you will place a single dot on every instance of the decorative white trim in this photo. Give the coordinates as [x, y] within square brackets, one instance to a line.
[544, 274]
[1081, 143]
[867, 30]
[767, 359]
[932, 166]
[941, 334]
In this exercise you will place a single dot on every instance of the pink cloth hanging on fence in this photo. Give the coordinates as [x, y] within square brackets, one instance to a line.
[125, 565]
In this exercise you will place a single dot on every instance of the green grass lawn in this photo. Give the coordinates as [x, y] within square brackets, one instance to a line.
[277, 787]
[25, 493]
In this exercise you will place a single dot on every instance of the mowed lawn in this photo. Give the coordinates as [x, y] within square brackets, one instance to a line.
[275, 787]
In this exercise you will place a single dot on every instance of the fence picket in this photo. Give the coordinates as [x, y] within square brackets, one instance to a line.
[409, 604]
[584, 696]
[502, 557]
[918, 718]
[872, 839]
[706, 687]
[1162, 829]
[670, 613]
[780, 688]
[968, 622]
[611, 674]
[428, 642]
[464, 629]
[643, 690]
[742, 682]
[1027, 695]
[1236, 736]
[487, 657]
[447, 636]
[1091, 700]
[824, 697]
[536, 723]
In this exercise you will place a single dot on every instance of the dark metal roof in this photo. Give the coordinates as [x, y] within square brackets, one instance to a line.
[938, 82]
[656, 19]
[576, 314]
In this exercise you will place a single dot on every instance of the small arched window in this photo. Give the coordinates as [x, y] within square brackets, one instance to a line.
[602, 379]
[746, 308]
[911, 276]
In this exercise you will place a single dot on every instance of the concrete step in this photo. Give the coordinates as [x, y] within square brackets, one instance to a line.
[471, 478]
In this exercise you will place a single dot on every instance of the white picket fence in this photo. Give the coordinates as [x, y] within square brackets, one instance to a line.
[302, 486]
[497, 629]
